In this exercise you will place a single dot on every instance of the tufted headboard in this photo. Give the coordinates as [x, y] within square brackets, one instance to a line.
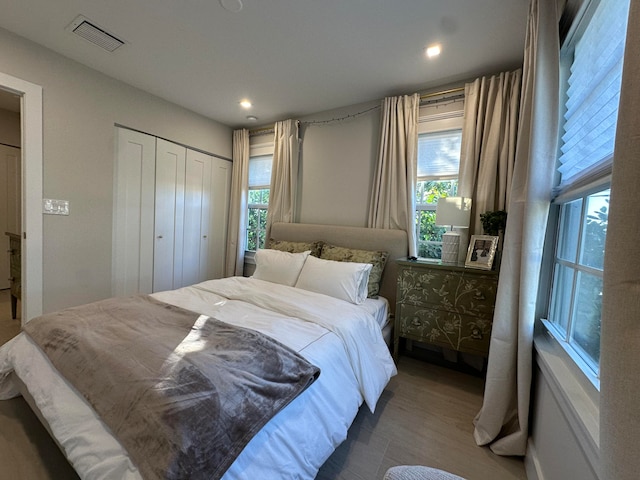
[392, 241]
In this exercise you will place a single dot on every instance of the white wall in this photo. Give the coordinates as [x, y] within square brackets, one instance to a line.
[80, 109]
[337, 166]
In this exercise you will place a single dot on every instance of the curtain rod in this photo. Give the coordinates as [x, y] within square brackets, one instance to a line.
[443, 92]
[269, 128]
[262, 130]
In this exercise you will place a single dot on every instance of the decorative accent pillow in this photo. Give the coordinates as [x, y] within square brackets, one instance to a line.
[279, 267]
[376, 259]
[296, 247]
[344, 280]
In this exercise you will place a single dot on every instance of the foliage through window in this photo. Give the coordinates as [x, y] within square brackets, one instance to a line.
[258, 201]
[438, 164]
[591, 62]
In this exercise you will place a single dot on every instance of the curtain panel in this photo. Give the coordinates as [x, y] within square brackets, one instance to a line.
[489, 135]
[236, 238]
[620, 340]
[503, 421]
[393, 199]
[284, 174]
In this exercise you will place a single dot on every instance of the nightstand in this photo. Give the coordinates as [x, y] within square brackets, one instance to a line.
[445, 305]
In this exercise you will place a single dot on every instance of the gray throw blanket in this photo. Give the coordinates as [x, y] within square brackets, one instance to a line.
[183, 393]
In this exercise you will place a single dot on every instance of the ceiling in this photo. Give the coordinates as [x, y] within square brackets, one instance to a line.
[291, 58]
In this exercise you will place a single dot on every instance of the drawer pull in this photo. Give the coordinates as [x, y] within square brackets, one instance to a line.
[479, 296]
[415, 321]
[476, 334]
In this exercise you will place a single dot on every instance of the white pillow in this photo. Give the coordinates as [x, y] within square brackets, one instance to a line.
[279, 267]
[344, 280]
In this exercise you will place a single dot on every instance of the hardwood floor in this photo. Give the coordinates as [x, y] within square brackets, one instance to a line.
[424, 417]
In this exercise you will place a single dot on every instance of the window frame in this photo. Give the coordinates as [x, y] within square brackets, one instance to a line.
[257, 148]
[431, 121]
[562, 335]
[552, 335]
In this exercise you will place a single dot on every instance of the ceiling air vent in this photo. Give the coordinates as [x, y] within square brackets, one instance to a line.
[98, 36]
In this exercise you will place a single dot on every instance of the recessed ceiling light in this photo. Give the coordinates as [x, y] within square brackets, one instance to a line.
[245, 103]
[433, 51]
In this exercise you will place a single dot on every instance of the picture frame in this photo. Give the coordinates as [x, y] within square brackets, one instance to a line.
[481, 252]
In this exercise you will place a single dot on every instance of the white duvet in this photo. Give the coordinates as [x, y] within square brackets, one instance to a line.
[343, 339]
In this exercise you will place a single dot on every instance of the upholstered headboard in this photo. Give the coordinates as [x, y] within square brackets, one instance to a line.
[392, 241]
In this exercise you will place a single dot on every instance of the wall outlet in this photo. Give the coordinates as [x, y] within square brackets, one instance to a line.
[55, 207]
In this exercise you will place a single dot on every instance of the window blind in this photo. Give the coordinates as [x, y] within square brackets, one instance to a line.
[260, 171]
[439, 155]
[593, 95]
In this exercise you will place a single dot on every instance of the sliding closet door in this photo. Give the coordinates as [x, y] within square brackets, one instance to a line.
[220, 195]
[169, 215]
[197, 203]
[133, 213]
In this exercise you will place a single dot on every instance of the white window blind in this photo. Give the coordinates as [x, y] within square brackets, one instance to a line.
[593, 96]
[260, 171]
[439, 155]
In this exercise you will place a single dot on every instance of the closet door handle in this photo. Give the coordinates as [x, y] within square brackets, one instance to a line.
[159, 236]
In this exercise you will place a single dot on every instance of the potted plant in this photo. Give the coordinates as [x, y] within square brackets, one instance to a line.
[494, 223]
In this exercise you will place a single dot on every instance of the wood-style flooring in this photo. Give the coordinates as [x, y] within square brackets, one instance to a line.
[424, 417]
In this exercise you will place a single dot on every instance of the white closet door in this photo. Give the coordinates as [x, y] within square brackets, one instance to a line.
[220, 195]
[197, 201]
[10, 205]
[169, 215]
[133, 218]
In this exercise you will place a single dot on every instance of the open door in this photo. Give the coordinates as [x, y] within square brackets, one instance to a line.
[10, 205]
[31, 192]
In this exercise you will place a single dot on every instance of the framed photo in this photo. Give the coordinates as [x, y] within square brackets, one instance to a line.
[482, 250]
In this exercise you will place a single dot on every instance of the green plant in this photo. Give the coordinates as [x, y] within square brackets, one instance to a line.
[493, 222]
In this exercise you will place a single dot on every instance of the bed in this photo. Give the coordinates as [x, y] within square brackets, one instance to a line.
[341, 339]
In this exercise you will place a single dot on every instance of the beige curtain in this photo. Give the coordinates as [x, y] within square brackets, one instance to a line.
[620, 340]
[393, 199]
[488, 149]
[236, 237]
[503, 421]
[284, 174]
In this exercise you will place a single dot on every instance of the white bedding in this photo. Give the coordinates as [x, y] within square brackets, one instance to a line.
[343, 339]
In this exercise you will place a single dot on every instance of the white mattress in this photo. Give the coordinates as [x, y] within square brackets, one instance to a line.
[344, 340]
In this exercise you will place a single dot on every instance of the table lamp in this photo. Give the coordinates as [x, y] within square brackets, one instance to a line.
[452, 212]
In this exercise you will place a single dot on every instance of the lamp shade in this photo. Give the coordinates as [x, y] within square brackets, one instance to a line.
[453, 212]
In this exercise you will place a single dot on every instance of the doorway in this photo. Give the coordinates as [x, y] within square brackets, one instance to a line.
[30, 96]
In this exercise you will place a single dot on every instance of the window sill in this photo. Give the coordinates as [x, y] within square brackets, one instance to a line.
[576, 396]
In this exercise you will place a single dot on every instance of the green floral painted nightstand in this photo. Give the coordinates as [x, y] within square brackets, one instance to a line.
[446, 305]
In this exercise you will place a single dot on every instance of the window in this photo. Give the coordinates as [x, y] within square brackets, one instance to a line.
[258, 201]
[576, 302]
[592, 62]
[438, 163]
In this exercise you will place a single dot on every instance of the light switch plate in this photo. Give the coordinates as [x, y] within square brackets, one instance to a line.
[55, 207]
